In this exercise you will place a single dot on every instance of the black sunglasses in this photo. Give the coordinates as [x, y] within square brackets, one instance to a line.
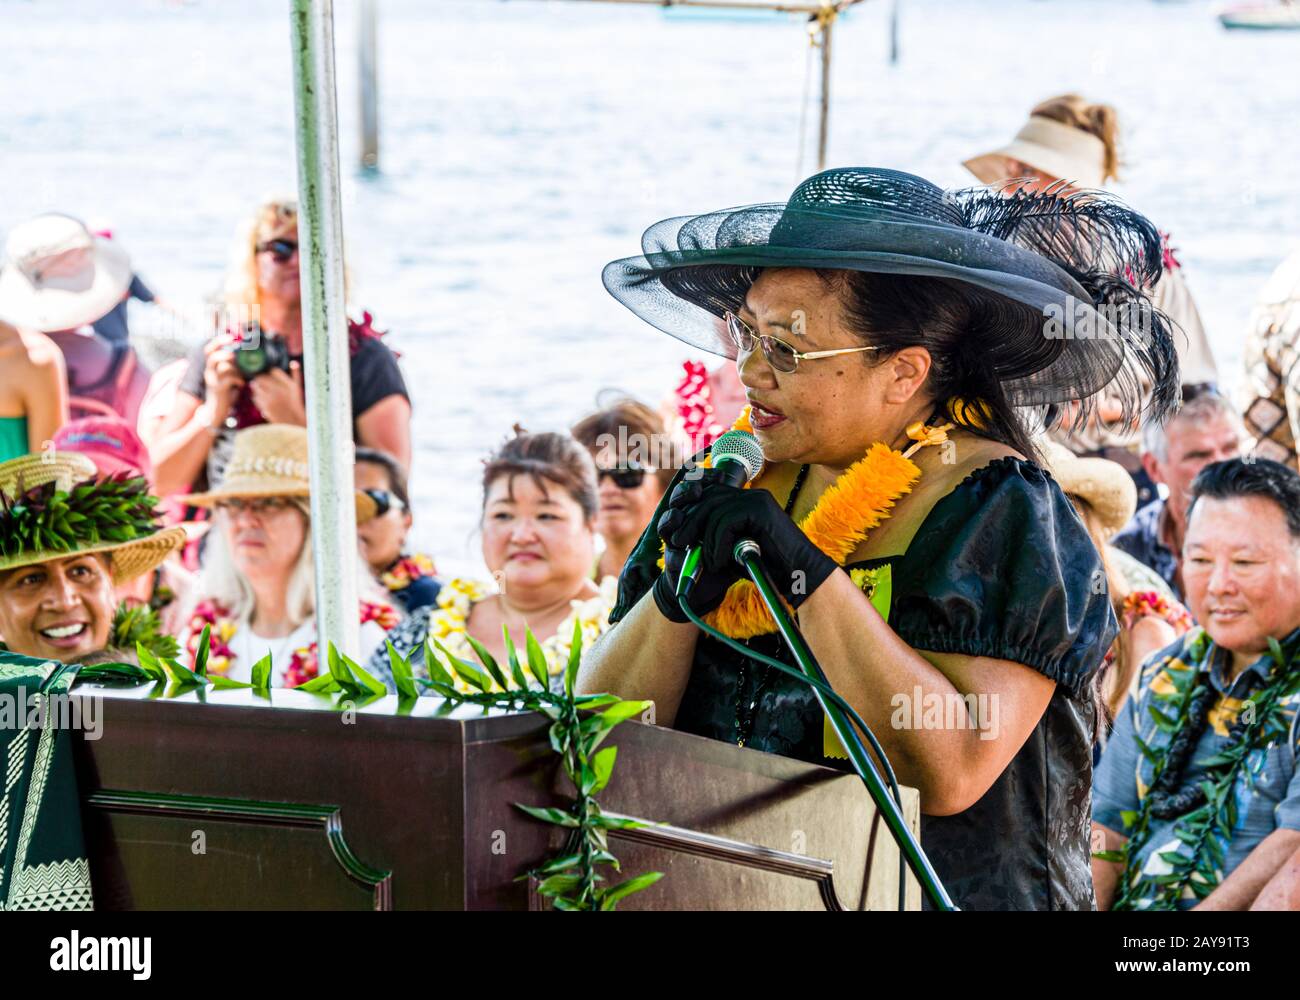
[281, 250]
[625, 479]
[385, 501]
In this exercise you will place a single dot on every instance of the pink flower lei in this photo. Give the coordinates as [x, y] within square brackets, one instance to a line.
[695, 406]
[304, 662]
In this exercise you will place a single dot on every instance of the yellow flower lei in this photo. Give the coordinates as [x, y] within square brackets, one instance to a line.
[856, 502]
[458, 595]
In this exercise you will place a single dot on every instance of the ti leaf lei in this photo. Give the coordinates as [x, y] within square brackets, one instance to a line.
[136, 625]
[47, 519]
[570, 878]
[1209, 809]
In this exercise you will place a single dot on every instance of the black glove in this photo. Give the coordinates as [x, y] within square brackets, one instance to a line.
[704, 595]
[715, 516]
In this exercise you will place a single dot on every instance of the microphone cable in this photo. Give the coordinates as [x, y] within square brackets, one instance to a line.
[830, 693]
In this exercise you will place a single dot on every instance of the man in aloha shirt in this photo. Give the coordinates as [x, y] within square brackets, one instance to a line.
[1242, 569]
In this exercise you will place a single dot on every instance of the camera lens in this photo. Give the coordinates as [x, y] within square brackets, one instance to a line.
[250, 361]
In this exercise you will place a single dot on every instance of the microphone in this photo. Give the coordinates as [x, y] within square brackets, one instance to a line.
[738, 457]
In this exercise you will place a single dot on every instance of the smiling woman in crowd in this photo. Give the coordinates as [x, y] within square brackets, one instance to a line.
[538, 523]
[58, 573]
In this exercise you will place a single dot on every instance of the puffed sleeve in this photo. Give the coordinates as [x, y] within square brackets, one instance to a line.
[1003, 567]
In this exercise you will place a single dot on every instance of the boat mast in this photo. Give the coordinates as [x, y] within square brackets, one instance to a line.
[368, 83]
[822, 18]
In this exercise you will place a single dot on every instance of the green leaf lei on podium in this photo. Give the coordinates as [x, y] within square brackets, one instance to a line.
[569, 879]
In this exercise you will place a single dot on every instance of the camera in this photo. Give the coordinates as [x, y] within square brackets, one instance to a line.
[257, 352]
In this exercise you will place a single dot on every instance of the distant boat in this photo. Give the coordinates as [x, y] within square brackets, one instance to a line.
[1262, 17]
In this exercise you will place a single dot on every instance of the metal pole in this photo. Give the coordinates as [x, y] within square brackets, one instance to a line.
[827, 22]
[326, 364]
[893, 33]
[367, 74]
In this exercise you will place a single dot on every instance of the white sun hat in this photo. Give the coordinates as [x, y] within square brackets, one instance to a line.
[1063, 151]
[57, 275]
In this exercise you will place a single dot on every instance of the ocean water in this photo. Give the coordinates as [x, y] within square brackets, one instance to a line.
[525, 144]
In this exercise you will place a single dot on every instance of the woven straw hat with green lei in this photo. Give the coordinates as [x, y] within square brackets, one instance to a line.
[54, 505]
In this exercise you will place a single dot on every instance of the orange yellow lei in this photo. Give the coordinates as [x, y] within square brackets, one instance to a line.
[854, 504]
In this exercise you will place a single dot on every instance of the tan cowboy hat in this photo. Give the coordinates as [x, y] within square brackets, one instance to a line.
[1106, 486]
[1064, 152]
[270, 460]
[57, 276]
[66, 470]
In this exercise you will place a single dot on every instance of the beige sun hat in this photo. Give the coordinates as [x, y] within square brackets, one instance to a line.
[65, 472]
[1105, 485]
[1063, 151]
[56, 275]
[270, 460]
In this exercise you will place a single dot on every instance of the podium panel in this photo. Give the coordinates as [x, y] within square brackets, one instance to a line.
[231, 800]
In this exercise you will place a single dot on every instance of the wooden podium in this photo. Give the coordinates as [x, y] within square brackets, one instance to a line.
[229, 800]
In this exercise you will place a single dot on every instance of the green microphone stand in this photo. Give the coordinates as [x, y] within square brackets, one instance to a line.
[747, 553]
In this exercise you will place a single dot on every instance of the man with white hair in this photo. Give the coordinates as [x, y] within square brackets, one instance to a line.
[1205, 430]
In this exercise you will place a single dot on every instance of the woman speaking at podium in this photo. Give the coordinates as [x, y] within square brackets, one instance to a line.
[899, 345]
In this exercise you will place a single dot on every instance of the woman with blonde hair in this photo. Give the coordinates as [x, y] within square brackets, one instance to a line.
[257, 588]
[251, 372]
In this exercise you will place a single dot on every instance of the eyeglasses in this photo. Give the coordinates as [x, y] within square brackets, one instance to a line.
[625, 479]
[280, 249]
[258, 507]
[778, 353]
[385, 501]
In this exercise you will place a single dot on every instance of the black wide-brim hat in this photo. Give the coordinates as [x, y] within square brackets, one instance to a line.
[1073, 268]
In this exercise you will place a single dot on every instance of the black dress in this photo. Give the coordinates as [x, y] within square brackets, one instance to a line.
[1001, 567]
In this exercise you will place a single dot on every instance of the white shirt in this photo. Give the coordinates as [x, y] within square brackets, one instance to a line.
[249, 647]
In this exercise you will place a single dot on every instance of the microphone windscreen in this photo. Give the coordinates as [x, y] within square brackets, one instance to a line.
[742, 447]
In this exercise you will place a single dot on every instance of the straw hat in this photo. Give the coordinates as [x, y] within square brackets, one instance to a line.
[57, 276]
[1063, 151]
[270, 460]
[115, 516]
[1105, 485]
